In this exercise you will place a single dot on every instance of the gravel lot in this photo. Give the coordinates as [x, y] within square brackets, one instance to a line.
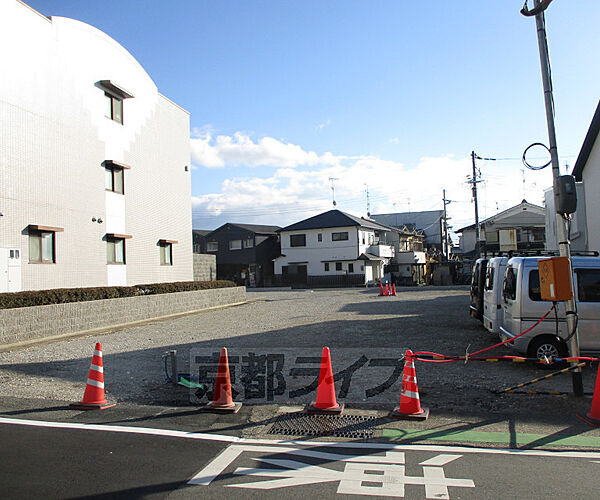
[424, 319]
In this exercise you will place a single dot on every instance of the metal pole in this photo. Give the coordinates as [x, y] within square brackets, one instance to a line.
[561, 230]
[445, 233]
[477, 229]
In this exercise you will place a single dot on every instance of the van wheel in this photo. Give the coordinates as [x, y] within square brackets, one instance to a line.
[549, 347]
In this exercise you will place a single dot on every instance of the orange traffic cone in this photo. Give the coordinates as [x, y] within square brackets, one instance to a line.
[326, 402]
[380, 289]
[394, 289]
[222, 400]
[593, 417]
[410, 404]
[387, 292]
[93, 397]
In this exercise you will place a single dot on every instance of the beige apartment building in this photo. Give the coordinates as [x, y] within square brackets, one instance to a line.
[94, 161]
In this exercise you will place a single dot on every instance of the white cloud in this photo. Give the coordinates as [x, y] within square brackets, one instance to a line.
[300, 186]
[321, 126]
[239, 149]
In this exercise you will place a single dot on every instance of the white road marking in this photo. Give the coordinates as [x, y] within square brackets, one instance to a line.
[272, 442]
[440, 460]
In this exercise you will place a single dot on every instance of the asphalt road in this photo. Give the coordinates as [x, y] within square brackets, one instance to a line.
[44, 462]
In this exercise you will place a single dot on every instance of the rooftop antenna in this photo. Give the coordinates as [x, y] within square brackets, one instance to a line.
[332, 179]
[368, 203]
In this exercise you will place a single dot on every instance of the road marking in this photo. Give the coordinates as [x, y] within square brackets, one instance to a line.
[362, 475]
[330, 444]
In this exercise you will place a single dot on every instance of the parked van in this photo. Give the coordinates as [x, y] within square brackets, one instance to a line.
[522, 307]
[477, 284]
[492, 294]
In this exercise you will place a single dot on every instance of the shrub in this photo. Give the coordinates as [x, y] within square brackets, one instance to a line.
[64, 295]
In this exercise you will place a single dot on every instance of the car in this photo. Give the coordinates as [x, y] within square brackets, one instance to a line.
[477, 285]
[492, 294]
[522, 307]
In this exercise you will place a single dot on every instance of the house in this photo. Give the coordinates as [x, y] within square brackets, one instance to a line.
[94, 161]
[408, 265]
[587, 171]
[199, 239]
[334, 249]
[244, 252]
[521, 227]
[429, 222]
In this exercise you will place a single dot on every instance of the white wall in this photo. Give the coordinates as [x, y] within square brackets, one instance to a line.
[591, 186]
[315, 252]
[54, 138]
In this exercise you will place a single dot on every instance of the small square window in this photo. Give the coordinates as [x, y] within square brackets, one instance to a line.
[248, 243]
[212, 246]
[235, 244]
[326, 266]
[338, 266]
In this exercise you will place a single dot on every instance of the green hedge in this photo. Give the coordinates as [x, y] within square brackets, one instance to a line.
[63, 295]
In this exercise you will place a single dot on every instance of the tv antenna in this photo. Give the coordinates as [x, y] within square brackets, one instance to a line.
[368, 202]
[332, 179]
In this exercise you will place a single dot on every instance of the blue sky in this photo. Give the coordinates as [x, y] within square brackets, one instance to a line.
[388, 95]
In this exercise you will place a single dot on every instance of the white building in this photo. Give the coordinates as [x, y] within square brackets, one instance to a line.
[587, 171]
[333, 248]
[94, 177]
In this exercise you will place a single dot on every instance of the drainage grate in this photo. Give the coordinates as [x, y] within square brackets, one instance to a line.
[301, 424]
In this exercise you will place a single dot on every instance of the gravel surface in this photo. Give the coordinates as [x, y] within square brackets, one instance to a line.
[422, 319]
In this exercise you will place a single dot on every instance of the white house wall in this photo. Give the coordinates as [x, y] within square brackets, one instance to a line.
[54, 136]
[315, 253]
[591, 186]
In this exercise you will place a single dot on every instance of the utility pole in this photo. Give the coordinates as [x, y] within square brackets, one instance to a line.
[445, 249]
[474, 182]
[563, 240]
[368, 202]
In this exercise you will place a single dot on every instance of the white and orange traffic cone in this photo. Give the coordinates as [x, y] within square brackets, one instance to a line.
[222, 395]
[410, 404]
[381, 289]
[394, 289]
[387, 291]
[326, 402]
[93, 397]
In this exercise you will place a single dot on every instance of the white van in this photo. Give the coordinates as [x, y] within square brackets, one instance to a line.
[492, 294]
[522, 307]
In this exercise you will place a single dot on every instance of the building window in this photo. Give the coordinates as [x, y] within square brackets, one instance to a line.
[166, 252]
[115, 250]
[362, 267]
[212, 246]
[114, 180]
[350, 268]
[338, 266]
[297, 240]
[248, 243]
[339, 236]
[319, 237]
[326, 266]
[42, 244]
[235, 244]
[363, 238]
[114, 176]
[114, 108]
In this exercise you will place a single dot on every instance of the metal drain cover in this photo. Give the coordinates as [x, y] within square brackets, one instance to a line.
[301, 424]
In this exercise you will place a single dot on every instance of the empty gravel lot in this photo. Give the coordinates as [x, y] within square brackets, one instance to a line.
[422, 319]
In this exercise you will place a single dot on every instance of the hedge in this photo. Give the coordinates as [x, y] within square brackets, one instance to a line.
[63, 295]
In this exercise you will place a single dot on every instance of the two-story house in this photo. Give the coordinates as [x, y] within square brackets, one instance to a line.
[244, 252]
[334, 249]
[94, 161]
